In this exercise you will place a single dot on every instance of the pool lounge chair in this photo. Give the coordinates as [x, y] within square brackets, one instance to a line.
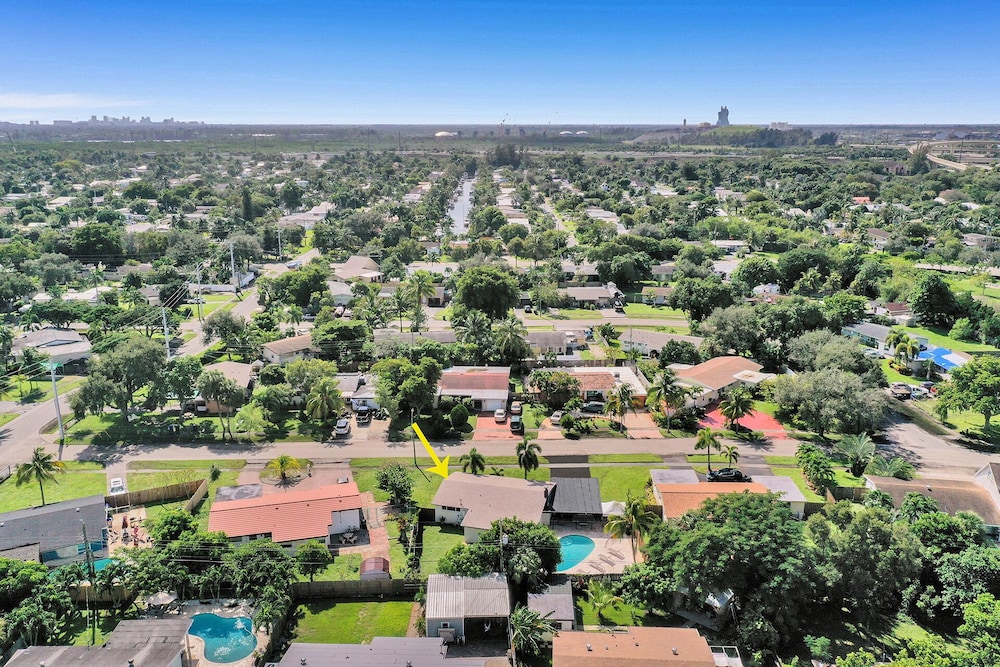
[616, 554]
[607, 560]
[596, 567]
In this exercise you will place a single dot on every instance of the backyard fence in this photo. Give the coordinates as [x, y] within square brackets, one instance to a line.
[193, 491]
[855, 494]
[353, 589]
[5, 474]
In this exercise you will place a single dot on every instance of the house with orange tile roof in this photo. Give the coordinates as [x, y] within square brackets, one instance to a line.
[488, 387]
[640, 647]
[710, 379]
[290, 518]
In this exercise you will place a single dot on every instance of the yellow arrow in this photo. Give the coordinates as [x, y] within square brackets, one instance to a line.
[440, 467]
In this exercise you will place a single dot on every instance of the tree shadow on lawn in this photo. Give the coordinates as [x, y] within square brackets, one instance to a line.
[848, 634]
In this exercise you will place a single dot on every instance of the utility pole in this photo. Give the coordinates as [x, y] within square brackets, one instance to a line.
[166, 332]
[55, 393]
[281, 255]
[199, 298]
[232, 267]
[92, 577]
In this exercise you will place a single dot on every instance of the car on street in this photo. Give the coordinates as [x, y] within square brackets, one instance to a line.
[343, 427]
[516, 424]
[594, 407]
[500, 415]
[900, 390]
[556, 417]
[516, 408]
[294, 264]
[116, 487]
[727, 475]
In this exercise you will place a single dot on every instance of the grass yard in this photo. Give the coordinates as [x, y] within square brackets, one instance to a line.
[800, 481]
[892, 375]
[39, 388]
[781, 461]
[7, 417]
[648, 312]
[939, 337]
[151, 474]
[438, 540]
[622, 615]
[343, 567]
[67, 486]
[617, 481]
[960, 420]
[624, 458]
[423, 489]
[327, 622]
[199, 464]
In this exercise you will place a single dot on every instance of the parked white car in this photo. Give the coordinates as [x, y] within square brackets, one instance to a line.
[117, 486]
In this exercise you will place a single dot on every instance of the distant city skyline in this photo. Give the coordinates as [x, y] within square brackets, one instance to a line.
[481, 61]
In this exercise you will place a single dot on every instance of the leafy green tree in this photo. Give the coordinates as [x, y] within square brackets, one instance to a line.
[698, 297]
[915, 505]
[312, 558]
[395, 480]
[403, 383]
[601, 598]
[225, 326]
[974, 386]
[170, 524]
[117, 376]
[459, 416]
[41, 468]
[259, 565]
[225, 393]
[879, 500]
[510, 340]
[181, 377]
[14, 286]
[752, 271]
[492, 290]
[932, 300]
[324, 402]
[555, 387]
[528, 453]
[473, 462]
[966, 575]
[982, 627]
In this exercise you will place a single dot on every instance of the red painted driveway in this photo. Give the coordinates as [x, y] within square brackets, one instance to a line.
[755, 421]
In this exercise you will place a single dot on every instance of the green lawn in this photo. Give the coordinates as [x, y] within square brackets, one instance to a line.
[327, 622]
[67, 486]
[800, 481]
[781, 460]
[892, 375]
[39, 388]
[648, 312]
[960, 420]
[346, 567]
[438, 540]
[199, 464]
[617, 481]
[624, 458]
[7, 417]
[423, 489]
[939, 337]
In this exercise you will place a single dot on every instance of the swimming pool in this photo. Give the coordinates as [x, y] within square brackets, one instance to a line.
[226, 639]
[574, 549]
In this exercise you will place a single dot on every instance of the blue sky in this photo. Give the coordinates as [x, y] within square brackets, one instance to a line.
[477, 61]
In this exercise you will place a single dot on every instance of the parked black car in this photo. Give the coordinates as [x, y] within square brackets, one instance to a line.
[728, 475]
[595, 407]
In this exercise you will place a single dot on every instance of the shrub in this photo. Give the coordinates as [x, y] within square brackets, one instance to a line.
[459, 417]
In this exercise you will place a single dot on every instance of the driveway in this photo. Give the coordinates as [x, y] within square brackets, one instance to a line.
[488, 429]
[641, 426]
[755, 421]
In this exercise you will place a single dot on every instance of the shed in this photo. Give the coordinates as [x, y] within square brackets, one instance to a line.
[375, 567]
[460, 606]
[556, 603]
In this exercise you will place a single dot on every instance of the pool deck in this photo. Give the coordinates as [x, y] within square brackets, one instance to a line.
[610, 555]
[196, 645]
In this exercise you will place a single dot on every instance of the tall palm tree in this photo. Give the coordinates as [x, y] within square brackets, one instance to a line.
[6, 344]
[509, 337]
[473, 462]
[859, 450]
[527, 455]
[421, 286]
[907, 350]
[737, 404]
[636, 522]
[732, 454]
[227, 395]
[667, 390]
[283, 466]
[895, 337]
[529, 630]
[400, 304]
[41, 468]
[324, 402]
[708, 441]
[475, 329]
[623, 394]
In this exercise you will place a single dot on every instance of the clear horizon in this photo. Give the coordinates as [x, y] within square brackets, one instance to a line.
[479, 62]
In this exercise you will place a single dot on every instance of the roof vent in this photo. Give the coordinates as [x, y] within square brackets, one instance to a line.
[590, 647]
[674, 650]
[607, 648]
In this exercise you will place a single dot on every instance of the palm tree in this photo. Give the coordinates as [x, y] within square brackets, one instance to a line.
[880, 499]
[708, 441]
[6, 343]
[475, 329]
[897, 467]
[283, 466]
[859, 449]
[907, 349]
[732, 454]
[227, 395]
[636, 522]
[421, 286]
[41, 468]
[400, 304]
[509, 337]
[601, 597]
[473, 462]
[30, 320]
[895, 337]
[324, 402]
[529, 630]
[527, 455]
[737, 404]
[623, 394]
[666, 389]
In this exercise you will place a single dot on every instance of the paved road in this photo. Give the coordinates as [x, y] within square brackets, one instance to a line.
[935, 456]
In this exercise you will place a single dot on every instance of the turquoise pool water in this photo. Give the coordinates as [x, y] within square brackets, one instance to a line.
[101, 563]
[226, 639]
[574, 549]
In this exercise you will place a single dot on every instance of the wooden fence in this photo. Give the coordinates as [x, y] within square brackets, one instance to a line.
[304, 590]
[855, 494]
[194, 491]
